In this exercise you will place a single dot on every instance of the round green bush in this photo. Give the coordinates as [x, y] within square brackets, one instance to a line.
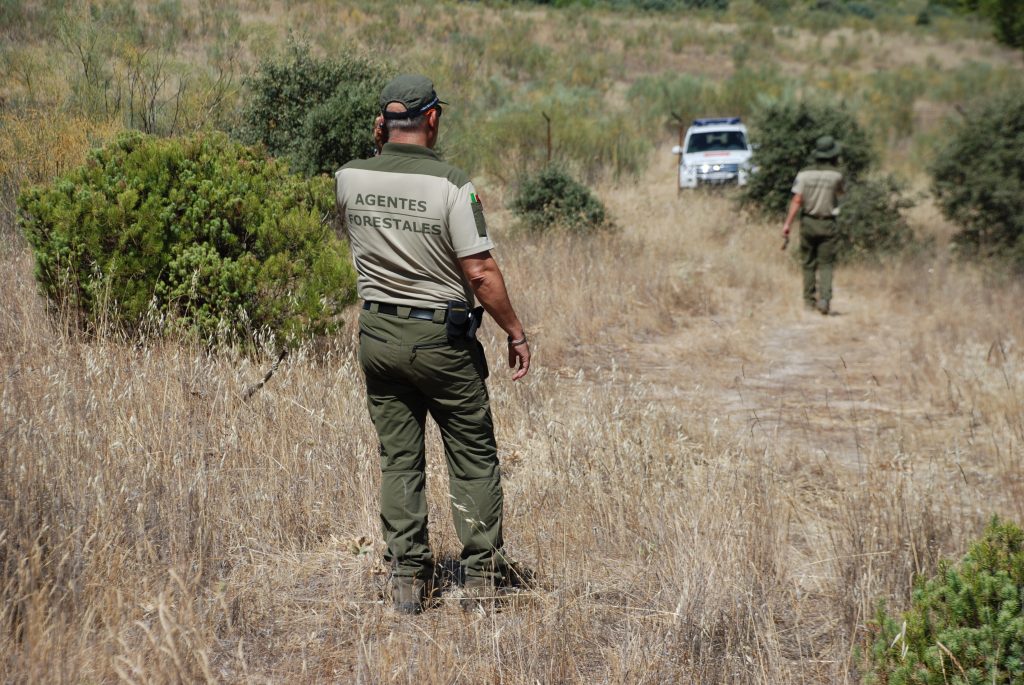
[785, 133]
[552, 200]
[205, 235]
[871, 221]
[979, 180]
[965, 626]
[316, 113]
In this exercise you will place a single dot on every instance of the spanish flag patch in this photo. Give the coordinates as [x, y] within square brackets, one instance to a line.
[478, 214]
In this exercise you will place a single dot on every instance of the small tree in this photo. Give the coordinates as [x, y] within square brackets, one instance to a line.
[214, 238]
[965, 626]
[553, 200]
[316, 113]
[979, 180]
[786, 133]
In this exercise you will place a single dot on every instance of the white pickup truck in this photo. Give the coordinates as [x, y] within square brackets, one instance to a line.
[714, 152]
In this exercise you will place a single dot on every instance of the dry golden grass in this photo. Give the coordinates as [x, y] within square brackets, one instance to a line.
[712, 485]
[38, 145]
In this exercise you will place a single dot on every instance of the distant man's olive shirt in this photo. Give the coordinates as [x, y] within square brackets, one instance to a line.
[409, 217]
[819, 188]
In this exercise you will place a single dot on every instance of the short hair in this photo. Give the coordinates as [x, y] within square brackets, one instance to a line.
[412, 124]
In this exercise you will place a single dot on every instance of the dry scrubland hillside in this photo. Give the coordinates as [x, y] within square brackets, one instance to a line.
[711, 484]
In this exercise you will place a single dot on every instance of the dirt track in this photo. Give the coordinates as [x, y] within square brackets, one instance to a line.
[829, 386]
[756, 363]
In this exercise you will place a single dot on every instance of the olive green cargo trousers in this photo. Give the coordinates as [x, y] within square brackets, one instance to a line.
[411, 370]
[819, 245]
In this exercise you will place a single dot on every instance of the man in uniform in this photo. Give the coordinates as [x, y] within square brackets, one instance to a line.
[816, 194]
[422, 254]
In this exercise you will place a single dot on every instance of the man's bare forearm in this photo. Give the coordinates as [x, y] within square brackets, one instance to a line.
[489, 287]
[794, 208]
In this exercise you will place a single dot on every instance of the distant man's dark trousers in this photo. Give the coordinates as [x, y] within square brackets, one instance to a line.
[819, 245]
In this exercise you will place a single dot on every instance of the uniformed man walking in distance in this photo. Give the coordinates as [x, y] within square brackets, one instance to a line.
[422, 254]
[816, 193]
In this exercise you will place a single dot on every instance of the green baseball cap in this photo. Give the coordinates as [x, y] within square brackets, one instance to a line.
[827, 147]
[412, 90]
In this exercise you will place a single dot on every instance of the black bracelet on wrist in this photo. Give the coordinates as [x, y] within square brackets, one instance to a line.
[517, 342]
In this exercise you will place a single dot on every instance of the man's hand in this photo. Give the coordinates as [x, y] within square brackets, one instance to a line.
[519, 358]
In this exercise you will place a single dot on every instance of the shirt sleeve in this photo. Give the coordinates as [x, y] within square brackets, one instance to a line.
[466, 223]
[798, 184]
[339, 202]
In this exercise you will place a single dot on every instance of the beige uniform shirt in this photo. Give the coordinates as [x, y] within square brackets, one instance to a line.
[820, 189]
[410, 217]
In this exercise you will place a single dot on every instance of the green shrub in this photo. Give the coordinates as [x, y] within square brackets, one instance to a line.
[964, 626]
[871, 220]
[785, 133]
[316, 113]
[1006, 17]
[774, 6]
[552, 200]
[842, 7]
[12, 12]
[209, 236]
[979, 179]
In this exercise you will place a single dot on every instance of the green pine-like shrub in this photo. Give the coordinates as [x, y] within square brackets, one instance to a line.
[316, 113]
[965, 626]
[785, 133]
[202, 235]
[978, 180]
[552, 200]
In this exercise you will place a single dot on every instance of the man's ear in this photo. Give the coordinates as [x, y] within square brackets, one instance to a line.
[432, 117]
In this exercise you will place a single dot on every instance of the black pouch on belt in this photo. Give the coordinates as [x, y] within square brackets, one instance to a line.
[457, 321]
[476, 317]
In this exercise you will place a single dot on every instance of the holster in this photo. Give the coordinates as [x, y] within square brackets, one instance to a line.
[462, 323]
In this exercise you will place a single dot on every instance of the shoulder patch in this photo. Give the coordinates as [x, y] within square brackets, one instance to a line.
[478, 214]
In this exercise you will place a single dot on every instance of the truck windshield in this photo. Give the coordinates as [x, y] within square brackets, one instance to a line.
[711, 141]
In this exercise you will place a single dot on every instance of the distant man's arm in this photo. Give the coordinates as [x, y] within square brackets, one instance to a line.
[489, 287]
[794, 209]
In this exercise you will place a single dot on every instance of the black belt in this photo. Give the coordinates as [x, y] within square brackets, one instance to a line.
[414, 313]
[820, 218]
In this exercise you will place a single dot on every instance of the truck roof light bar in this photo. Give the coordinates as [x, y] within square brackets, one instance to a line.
[716, 122]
